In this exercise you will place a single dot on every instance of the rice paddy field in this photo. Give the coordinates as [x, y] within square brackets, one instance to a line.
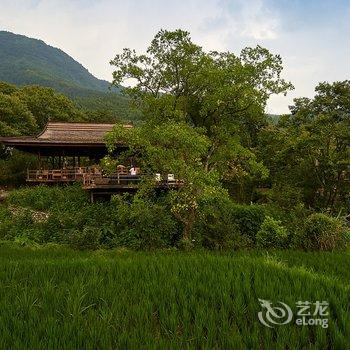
[56, 298]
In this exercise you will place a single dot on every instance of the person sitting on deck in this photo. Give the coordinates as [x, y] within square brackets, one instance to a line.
[133, 171]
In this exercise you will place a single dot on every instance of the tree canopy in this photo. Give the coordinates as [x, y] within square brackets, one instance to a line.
[310, 147]
[26, 110]
[176, 79]
[201, 111]
[223, 93]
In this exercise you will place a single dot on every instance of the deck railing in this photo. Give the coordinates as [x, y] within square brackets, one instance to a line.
[57, 175]
[92, 177]
[127, 181]
[92, 180]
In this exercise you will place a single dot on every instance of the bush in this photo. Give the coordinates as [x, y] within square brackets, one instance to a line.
[271, 234]
[5, 222]
[185, 245]
[217, 227]
[13, 168]
[143, 224]
[45, 198]
[322, 232]
[70, 219]
[286, 196]
[86, 239]
[248, 218]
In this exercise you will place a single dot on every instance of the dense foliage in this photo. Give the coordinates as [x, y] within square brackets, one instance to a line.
[26, 110]
[64, 215]
[308, 151]
[298, 163]
[246, 179]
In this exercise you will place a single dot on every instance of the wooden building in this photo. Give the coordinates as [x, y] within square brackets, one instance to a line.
[62, 140]
[70, 152]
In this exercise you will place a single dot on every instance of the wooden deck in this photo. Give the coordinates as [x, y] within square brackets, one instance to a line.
[95, 183]
[57, 175]
[106, 186]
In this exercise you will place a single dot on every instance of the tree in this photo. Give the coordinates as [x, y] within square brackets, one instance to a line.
[15, 118]
[171, 147]
[310, 147]
[45, 104]
[201, 112]
[176, 79]
[223, 93]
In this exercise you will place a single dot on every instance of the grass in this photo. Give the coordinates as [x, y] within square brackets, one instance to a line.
[54, 298]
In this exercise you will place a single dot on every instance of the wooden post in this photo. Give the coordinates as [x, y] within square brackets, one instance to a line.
[39, 159]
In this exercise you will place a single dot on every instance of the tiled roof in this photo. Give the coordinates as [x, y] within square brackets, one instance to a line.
[66, 133]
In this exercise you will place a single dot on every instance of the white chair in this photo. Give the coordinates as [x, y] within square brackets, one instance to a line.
[171, 177]
[158, 177]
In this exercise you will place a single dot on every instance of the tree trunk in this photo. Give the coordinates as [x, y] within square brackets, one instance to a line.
[186, 234]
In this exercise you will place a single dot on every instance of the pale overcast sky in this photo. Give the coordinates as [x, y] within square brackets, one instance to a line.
[312, 36]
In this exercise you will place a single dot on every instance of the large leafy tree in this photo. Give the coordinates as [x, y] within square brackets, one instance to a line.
[223, 93]
[15, 117]
[170, 147]
[176, 79]
[202, 111]
[41, 103]
[46, 104]
[310, 148]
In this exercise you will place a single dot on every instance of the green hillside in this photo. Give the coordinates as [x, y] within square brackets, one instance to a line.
[27, 61]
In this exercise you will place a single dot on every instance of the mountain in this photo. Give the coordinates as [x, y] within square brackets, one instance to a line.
[27, 61]
[30, 61]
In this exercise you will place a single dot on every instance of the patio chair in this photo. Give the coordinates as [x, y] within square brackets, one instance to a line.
[171, 178]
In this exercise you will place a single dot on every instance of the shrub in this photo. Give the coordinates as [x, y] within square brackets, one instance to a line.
[217, 226]
[13, 168]
[248, 218]
[286, 196]
[144, 224]
[5, 222]
[65, 209]
[271, 234]
[185, 245]
[322, 232]
[86, 239]
[45, 198]
[24, 241]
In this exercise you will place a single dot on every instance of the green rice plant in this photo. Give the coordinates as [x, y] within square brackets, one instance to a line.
[54, 297]
[86, 239]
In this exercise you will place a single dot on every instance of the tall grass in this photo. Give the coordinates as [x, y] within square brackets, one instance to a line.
[55, 298]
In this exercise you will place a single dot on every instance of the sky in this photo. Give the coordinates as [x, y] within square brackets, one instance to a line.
[312, 36]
